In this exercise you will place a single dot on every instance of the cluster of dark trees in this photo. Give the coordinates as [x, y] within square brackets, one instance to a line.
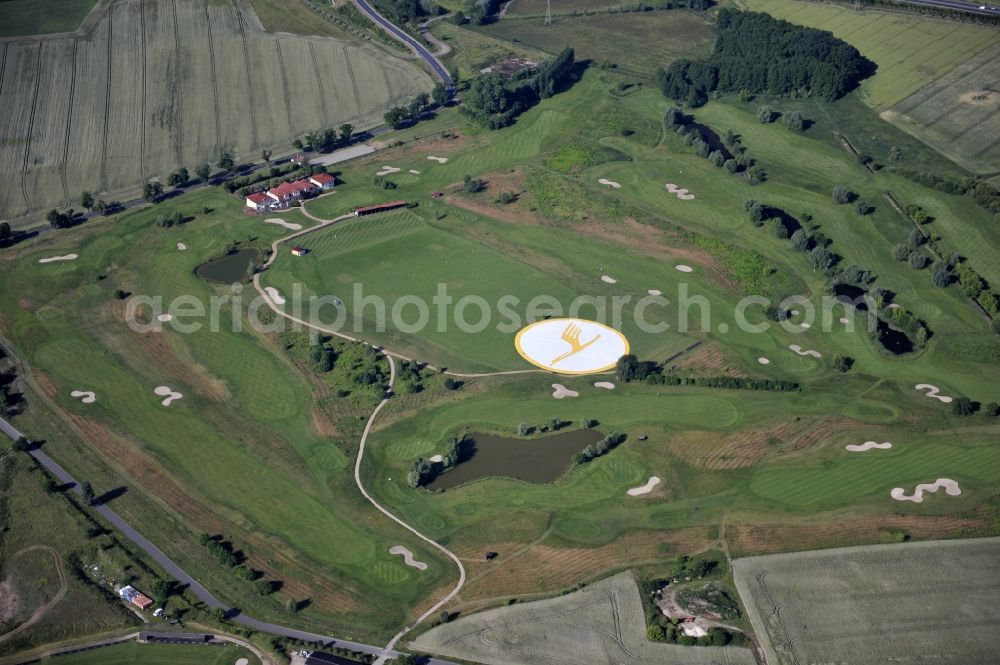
[410, 376]
[224, 554]
[167, 221]
[732, 157]
[398, 116]
[324, 140]
[602, 447]
[407, 11]
[494, 103]
[424, 471]
[758, 53]
[553, 425]
[285, 644]
[8, 400]
[480, 12]
[984, 194]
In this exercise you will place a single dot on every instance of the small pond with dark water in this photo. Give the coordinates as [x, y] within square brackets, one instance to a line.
[232, 267]
[533, 460]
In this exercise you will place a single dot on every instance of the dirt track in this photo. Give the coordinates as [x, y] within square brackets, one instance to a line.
[37, 615]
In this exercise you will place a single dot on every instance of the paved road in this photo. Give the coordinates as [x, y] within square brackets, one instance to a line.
[415, 45]
[989, 10]
[180, 575]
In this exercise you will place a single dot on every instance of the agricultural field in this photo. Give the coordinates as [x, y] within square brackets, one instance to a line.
[959, 113]
[663, 36]
[160, 654]
[149, 87]
[601, 623]
[919, 51]
[858, 604]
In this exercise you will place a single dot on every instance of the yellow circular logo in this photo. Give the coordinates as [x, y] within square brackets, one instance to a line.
[571, 346]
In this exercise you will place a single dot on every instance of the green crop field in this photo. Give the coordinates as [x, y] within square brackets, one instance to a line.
[31, 17]
[146, 88]
[858, 604]
[917, 51]
[602, 623]
[160, 654]
[261, 447]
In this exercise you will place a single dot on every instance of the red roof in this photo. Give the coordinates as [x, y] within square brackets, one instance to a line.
[382, 206]
[291, 189]
[258, 198]
[323, 178]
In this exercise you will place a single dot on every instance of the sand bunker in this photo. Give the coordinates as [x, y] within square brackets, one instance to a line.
[764, 361]
[868, 445]
[64, 257]
[679, 192]
[655, 292]
[683, 268]
[414, 172]
[273, 294]
[645, 489]
[949, 486]
[844, 319]
[163, 318]
[86, 396]
[242, 661]
[386, 170]
[609, 280]
[808, 352]
[291, 226]
[440, 160]
[805, 325]
[933, 391]
[609, 183]
[607, 385]
[437, 459]
[170, 395]
[181, 246]
[559, 391]
[408, 557]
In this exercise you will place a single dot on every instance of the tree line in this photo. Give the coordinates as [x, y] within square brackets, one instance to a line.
[761, 54]
[629, 368]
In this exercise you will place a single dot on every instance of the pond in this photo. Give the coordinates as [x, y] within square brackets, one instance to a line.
[233, 267]
[893, 340]
[533, 460]
[851, 295]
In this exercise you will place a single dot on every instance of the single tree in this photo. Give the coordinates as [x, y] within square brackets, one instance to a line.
[841, 195]
[292, 606]
[101, 206]
[346, 133]
[766, 114]
[795, 122]
[203, 171]
[917, 260]
[226, 161]
[179, 178]
[440, 94]
[265, 154]
[87, 200]
[20, 445]
[4, 231]
[963, 406]
[88, 492]
[152, 191]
